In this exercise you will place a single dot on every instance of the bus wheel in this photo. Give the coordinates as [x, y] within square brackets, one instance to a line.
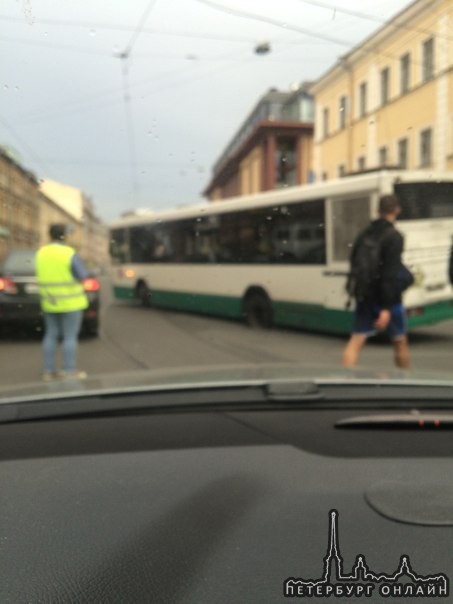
[258, 310]
[143, 294]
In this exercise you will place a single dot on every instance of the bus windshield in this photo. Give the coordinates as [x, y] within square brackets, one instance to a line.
[424, 200]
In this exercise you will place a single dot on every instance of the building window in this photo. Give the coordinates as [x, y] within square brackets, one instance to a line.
[428, 59]
[325, 121]
[385, 86]
[383, 156]
[285, 163]
[426, 147]
[363, 99]
[361, 163]
[405, 67]
[342, 112]
[402, 153]
[341, 170]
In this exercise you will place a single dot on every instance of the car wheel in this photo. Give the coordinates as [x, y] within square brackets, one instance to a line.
[258, 310]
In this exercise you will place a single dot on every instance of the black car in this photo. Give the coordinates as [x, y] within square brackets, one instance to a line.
[19, 294]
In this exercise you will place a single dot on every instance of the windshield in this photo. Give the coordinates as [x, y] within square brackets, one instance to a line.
[20, 262]
[183, 184]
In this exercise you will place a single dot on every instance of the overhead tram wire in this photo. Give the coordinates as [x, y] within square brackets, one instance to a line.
[145, 30]
[52, 46]
[125, 57]
[369, 49]
[80, 107]
[130, 129]
[148, 30]
[369, 17]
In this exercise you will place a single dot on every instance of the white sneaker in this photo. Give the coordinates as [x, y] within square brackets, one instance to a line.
[73, 375]
[50, 376]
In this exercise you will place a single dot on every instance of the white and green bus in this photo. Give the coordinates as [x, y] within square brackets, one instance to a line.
[282, 257]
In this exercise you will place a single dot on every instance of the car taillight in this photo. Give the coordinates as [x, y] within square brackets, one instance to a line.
[91, 285]
[7, 286]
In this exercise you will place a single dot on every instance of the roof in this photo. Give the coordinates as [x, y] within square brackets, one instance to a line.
[319, 190]
[368, 45]
[272, 96]
[67, 197]
[7, 157]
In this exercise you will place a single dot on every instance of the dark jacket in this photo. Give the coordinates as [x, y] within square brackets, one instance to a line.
[450, 266]
[388, 289]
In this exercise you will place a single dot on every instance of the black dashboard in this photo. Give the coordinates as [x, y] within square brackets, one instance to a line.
[219, 505]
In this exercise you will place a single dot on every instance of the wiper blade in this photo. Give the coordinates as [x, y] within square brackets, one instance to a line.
[225, 395]
[181, 397]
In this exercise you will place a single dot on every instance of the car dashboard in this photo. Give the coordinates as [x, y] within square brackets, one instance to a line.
[227, 503]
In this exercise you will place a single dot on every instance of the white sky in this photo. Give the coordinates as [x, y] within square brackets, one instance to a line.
[193, 78]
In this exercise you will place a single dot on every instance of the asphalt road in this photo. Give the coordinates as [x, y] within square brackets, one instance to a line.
[134, 338]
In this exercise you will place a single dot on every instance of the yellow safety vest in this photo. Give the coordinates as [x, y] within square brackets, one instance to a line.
[58, 289]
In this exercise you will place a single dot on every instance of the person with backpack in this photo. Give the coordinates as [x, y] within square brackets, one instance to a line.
[450, 265]
[376, 281]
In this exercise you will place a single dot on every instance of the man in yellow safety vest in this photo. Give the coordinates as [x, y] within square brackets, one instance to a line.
[60, 273]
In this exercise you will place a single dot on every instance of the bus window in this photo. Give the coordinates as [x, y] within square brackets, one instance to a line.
[304, 227]
[201, 240]
[118, 246]
[141, 244]
[424, 200]
[349, 217]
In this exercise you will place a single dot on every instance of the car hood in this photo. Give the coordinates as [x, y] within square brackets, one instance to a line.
[223, 376]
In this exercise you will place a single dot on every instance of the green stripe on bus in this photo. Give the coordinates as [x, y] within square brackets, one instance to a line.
[433, 313]
[224, 306]
[312, 316]
[124, 293]
[289, 314]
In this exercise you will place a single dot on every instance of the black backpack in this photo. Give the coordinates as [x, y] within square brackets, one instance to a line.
[365, 264]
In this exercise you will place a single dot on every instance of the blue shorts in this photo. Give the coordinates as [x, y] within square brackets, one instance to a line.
[366, 314]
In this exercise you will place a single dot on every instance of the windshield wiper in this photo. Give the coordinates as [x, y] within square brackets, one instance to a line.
[256, 394]
[181, 397]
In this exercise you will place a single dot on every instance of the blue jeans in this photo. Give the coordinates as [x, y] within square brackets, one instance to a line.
[65, 325]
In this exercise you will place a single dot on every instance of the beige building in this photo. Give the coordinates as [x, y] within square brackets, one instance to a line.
[19, 206]
[51, 213]
[389, 102]
[90, 236]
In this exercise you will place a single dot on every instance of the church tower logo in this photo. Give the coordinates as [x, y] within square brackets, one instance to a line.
[362, 581]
